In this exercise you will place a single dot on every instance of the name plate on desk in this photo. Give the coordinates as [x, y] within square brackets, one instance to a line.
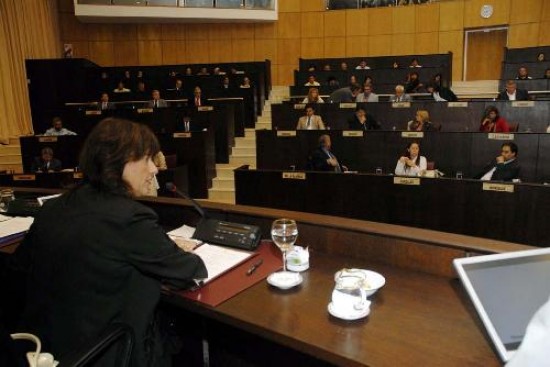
[457, 104]
[348, 105]
[144, 110]
[352, 134]
[401, 105]
[93, 112]
[78, 175]
[286, 133]
[412, 134]
[299, 106]
[181, 135]
[24, 177]
[523, 104]
[47, 139]
[489, 186]
[411, 181]
[500, 136]
[294, 176]
[205, 108]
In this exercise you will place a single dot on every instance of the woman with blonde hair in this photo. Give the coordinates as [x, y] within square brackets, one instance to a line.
[313, 96]
[421, 122]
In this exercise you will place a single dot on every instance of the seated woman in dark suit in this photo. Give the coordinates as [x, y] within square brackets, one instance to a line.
[46, 162]
[421, 122]
[96, 256]
[492, 122]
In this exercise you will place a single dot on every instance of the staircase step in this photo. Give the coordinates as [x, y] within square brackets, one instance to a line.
[263, 125]
[250, 133]
[223, 183]
[16, 168]
[225, 172]
[239, 151]
[264, 119]
[223, 196]
[11, 149]
[11, 159]
[243, 159]
[246, 142]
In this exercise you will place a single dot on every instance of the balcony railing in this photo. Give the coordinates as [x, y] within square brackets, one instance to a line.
[219, 4]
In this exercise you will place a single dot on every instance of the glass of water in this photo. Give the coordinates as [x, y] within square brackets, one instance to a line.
[284, 233]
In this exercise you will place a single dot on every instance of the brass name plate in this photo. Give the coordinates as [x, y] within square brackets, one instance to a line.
[348, 105]
[412, 134]
[489, 186]
[457, 104]
[47, 139]
[352, 134]
[299, 106]
[401, 105]
[205, 108]
[411, 181]
[78, 175]
[144, 110]
[523, 104]
[181, 135]
[500, 136]
[294, 176]
[93, 112]
[24, 177]
[286, 133]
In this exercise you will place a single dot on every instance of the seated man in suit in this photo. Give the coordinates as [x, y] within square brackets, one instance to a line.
[512, 93]
[156, 102]
[310, 121]
[187, 125]
[57, 128]
[400, 95]
[177, 91]
[197, 99]
[322, 158]
[361, 120]
[505, 167]
[368, 95]
[46, 162]
[104, 104]
[141, 93]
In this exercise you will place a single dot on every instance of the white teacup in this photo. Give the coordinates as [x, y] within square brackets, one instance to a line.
[348, 296]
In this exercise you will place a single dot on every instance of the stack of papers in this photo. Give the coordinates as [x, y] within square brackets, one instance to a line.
[11, 226]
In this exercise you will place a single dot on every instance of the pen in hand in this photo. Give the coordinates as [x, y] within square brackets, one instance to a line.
[255, 266]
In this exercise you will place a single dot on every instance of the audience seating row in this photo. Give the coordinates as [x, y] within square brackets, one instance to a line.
[463, 152]
[533, 118]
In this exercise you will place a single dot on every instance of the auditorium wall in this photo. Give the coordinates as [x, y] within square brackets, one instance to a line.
[305, 29]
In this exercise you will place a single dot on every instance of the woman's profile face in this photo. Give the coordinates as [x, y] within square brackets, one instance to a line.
[413, 150]
[139, 175]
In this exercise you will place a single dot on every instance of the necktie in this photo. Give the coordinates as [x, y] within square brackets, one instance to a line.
[308, 122]
[197, 101]
[187, 126]
[155, 105]
[104, 107]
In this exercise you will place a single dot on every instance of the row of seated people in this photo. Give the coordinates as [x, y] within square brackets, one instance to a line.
[361, 120]
[362, 66]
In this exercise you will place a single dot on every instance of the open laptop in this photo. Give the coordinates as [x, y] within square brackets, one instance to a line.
[506, 290]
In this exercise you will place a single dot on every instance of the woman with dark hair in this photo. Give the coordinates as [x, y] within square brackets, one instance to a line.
[96, 256]
[411, 163]
[413, 83]
[492, 122]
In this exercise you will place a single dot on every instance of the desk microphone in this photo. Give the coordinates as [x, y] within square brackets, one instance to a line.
[172, 188]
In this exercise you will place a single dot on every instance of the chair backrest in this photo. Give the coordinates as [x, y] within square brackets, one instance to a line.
[513, 126]
[171, 160]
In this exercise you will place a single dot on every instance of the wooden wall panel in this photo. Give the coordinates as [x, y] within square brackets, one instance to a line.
[426, 43]
[357, 22]
[240, 31]
[523, 35]
[197, 32]
[286, 74]
[427, 18]
[197, 51]
[218, 31]
[102, 53]
[312, 5]
[289, 6]
[288, 25]
[525, 11]
[265, 49]
[380, 21]
[404, 20]
[335, 46]
[544, 35]
[173, 32]
[312, 48]
[288, 51]
[150, 52]
[265, 31]
[473, 19]
[312, 24]
[66, 6]
[100, 32]
[72, 29]
[125, 32]
[219, 50]
[451, 41]
[149, 32]
[380, 45]
[402, 44]
[126, 53]
[357, 46]
[335, 23]
[170, 50]
[243, 50]
[451, 15]
[545, 13]
[81, 49]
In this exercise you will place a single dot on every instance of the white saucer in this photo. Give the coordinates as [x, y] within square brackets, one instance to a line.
[297, 267]
[285, 279]
[350, 316]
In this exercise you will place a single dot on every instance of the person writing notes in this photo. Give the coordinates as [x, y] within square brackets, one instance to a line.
[411, 163]
[96, 256]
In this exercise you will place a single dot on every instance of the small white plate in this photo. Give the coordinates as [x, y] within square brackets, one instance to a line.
[285, 279]
[350, 316]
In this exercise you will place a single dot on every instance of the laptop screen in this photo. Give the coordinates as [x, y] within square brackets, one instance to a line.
[507, 289]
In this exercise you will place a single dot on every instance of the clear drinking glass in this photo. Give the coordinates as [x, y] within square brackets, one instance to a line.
[284, 233]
